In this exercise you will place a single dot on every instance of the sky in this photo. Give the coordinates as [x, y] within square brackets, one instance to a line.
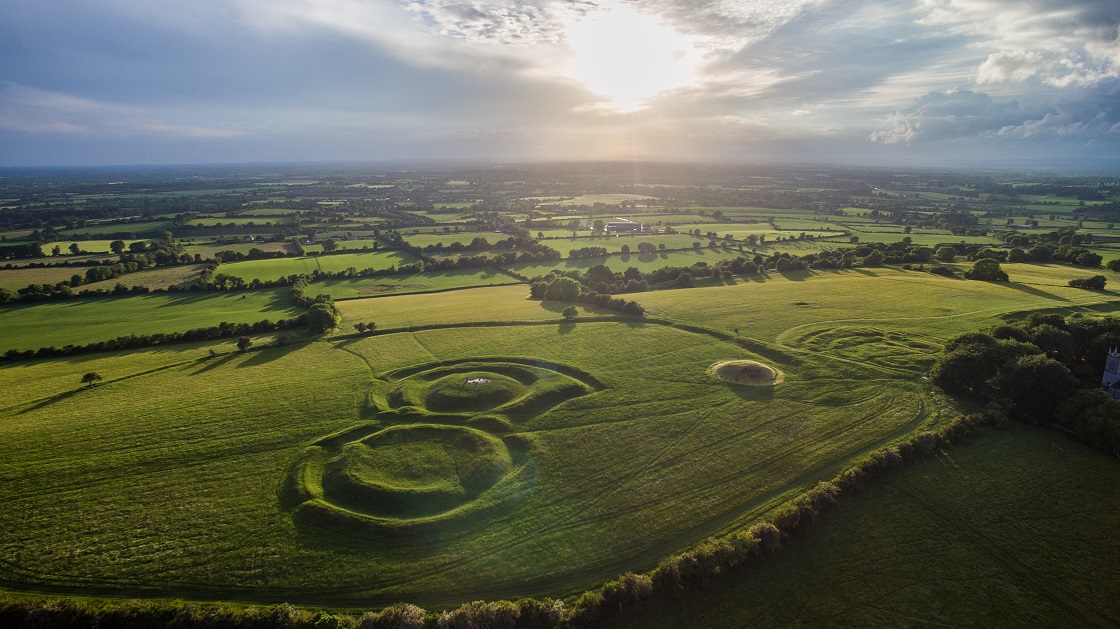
[88, 82]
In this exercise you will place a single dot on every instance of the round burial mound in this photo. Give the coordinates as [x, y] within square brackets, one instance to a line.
[472, 391]
[746, 373]
[415, 471]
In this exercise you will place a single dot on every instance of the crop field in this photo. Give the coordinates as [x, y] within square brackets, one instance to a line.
[283, 267]
[964, 536]
[81, 321]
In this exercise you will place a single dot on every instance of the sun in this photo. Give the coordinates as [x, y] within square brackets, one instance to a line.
[628, 57]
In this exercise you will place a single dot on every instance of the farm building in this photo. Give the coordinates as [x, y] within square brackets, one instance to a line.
[624, 226]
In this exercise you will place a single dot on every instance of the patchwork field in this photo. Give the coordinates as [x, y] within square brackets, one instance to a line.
[282, 267]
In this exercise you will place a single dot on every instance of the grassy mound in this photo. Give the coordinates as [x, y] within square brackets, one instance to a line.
[472, 391]
[415, 471]
[746, 373]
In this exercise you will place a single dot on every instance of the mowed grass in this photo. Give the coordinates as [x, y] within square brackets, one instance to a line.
[1010, 530]
[500, 303]
[643, 262]
[282, 267]
[81, 321]
[777, 307]
[414, 283]
[169, 487]
[175, 491]
[155, 279]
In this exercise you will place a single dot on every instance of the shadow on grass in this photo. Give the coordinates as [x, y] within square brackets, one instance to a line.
[213, 363]
[753, 394]
[58, 397]
[266, 355]
[796, 276]
[1030, 290]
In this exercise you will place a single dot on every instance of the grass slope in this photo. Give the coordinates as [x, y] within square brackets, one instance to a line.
[81, 321]
[1010, 530]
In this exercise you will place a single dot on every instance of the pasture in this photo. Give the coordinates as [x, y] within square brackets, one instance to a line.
[86, 320]
[964, 538]
[665, 452]
[413, 283]
[282, 267]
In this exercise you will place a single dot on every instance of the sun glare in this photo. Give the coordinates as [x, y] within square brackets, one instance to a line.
[628, 57]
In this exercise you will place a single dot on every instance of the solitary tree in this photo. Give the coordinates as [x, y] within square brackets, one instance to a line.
[330, 245]
[570, 313]
[244, 343]
[90, 378]
[323, 317]
[360, 327]
[987, 270]
[117, 246]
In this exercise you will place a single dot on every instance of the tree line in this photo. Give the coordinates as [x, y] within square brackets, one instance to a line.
[1045, 369]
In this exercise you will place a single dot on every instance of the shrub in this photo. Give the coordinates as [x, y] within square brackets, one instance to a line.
[1096, 282]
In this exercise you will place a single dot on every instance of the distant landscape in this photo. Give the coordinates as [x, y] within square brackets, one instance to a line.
[558, 394]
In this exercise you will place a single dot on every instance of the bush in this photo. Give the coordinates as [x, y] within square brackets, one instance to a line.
[1096, 282]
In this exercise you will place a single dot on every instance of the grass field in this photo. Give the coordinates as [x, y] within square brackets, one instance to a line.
[660, 479]
[21, 277]
[415, 283]
[82, 321]
[1009, 530]
[261, 476]
[283, 267]
[155, 279]
[644, 262]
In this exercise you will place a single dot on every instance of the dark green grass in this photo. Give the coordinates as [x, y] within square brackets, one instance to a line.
[1014, 529]
[82, 321]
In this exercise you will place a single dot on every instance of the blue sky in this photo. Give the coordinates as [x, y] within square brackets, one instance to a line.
[195, 81]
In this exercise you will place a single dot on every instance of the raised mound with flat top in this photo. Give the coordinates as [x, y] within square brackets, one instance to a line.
[747, 373]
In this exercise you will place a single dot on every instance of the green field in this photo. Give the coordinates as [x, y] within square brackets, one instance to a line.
[1008, 530]
[414, 283]
[643, 262]
[335, 263]
[663, 480]
[452, 439]
[82, 321]
[15, 279]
